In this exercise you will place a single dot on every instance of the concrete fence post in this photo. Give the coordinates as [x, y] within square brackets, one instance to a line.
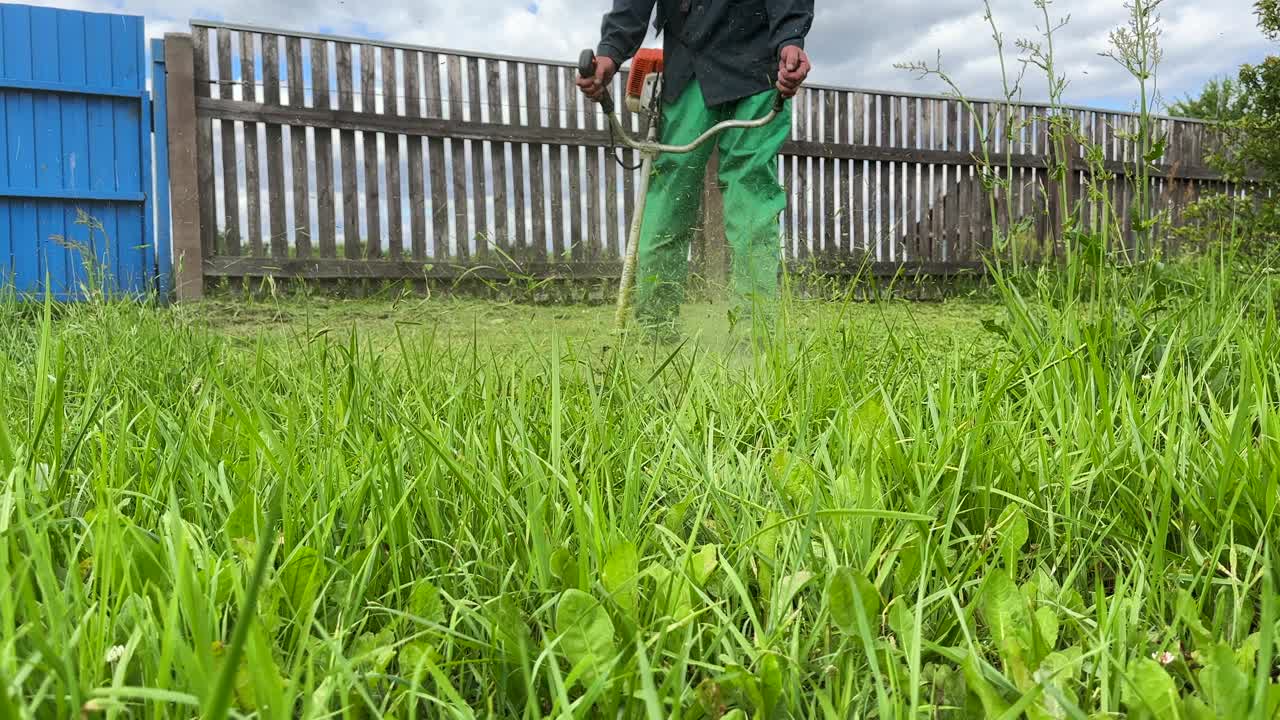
[185, 191]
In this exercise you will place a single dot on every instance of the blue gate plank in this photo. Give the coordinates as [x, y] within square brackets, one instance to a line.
[21, 139]
[77, 276]
[109, 259]
[97, 48]
[4, 132]
[75, 144]
[130, 256]
[48, 124]
[22, 234]
[51, 234]
[6, 249]
[16, 48]
[126, 222]
[102, 158]
[128, 160]
[44, 25]
[72, 71]
[126, 47]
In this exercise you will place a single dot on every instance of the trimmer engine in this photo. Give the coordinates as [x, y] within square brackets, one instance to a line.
[644, 87]
[645, 79]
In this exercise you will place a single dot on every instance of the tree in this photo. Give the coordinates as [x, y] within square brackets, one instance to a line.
[1251, 154]
[1260, 124]
[1269, 17]
[1219, 100]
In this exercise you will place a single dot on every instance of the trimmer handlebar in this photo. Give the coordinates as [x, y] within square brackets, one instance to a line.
[586, 69]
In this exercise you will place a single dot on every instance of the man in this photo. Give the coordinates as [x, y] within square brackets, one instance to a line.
[723, 60]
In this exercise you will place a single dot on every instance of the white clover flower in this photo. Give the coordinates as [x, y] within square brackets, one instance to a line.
[114, 653]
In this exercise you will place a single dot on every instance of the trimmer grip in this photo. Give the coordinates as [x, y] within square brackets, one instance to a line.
[587, 63]
[586, 69]
[779, 103]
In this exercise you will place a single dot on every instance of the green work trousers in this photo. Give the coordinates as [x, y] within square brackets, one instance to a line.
[753, 200]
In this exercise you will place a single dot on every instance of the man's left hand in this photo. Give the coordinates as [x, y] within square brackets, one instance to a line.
[793, 69]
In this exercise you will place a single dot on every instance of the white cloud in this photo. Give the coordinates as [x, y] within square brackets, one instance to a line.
[852, 43]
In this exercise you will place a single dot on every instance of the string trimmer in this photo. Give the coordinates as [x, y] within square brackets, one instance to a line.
[643, 97]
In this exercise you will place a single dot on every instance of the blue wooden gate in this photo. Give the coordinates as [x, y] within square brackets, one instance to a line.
[75, 171]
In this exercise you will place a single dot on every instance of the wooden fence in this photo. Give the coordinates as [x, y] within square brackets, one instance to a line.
[308, 156]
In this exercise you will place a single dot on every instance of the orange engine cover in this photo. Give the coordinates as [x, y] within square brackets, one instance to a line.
[648, 60]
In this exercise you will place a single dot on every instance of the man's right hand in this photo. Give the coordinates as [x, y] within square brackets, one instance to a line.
[594, 87]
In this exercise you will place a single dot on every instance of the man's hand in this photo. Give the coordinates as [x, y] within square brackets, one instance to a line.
[594, 87]
[793, 69]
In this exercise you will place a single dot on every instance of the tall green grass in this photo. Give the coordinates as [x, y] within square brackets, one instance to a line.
[1079, 525]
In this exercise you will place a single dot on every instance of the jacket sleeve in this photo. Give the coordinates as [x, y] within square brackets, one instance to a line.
[789, 22]
[624, 28]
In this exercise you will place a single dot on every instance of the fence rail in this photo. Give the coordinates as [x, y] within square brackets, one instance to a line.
[327, 157]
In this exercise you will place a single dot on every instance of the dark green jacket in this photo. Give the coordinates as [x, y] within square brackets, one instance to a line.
[730, 46]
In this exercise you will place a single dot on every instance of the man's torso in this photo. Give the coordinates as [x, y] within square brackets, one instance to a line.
[725, 44]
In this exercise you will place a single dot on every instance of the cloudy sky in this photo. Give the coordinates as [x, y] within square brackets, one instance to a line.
[853, 43]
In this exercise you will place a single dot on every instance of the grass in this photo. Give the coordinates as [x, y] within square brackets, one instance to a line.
[1057, 504]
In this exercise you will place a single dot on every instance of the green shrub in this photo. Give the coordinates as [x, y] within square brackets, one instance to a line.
[1244, 226]
[1250, 109]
